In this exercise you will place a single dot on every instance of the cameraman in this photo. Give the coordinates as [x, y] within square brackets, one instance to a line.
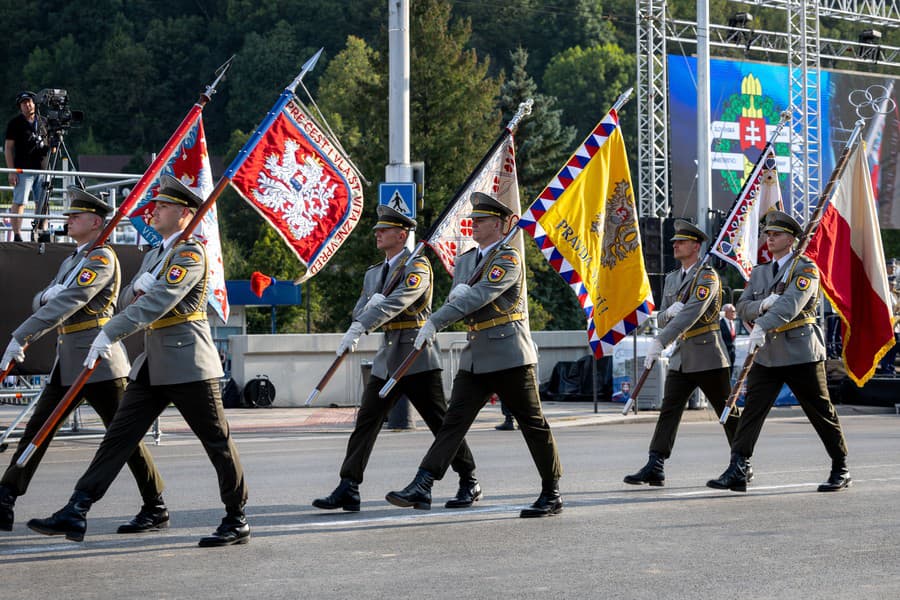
[27, 147]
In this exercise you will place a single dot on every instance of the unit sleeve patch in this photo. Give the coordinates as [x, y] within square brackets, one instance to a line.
[413, 280]
[496, 274]
[702, 292]
[803, 283]
[175, 274]
[86, 277]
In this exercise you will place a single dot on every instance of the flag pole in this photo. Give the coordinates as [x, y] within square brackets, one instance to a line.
[510, 129]
[745, 189]
[52, 422]
[144, 182]
[805, 239]
[513, 230]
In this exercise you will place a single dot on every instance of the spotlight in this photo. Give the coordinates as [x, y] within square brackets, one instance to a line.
[870, 45]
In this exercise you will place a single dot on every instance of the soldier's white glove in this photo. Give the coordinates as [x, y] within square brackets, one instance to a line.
[767, 302]
[374, 301]
[351, 338]
[101, 346]
[673, 310]
[757, 337]
[653, 353]
[14, 352]
[458, 291]
[51, 292]
[426, 335]
[144, 283]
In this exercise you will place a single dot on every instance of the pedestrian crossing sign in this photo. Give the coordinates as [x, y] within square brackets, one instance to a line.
[401, 196]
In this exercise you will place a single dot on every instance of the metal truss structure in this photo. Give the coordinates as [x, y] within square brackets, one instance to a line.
[801, 47]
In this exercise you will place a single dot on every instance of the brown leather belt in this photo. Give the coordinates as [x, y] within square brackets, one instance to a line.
[394, 325]
[795, 324]
[508, 318]
[177, 320]
[700, 330]
[83, 326]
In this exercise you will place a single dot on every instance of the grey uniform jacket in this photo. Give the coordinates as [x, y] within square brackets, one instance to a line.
[495, 310]
[699, 345]
[178, 346]
[78, 311]
[793, 335]
[401, 315]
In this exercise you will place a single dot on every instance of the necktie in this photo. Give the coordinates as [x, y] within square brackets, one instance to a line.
[384, 273]
[478, 257]
[774, 268]
[731, 327]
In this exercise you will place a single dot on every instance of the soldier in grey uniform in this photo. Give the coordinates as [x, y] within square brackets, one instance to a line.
[699, 358]
[399, 314]
[791, 351]
[499, 358]
[179, 366]
[77, 305]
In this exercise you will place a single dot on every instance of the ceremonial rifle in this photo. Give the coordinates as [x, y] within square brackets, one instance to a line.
[144, 182]
[510, 129]
[53, 421]
[513, 230]
[745, 189]
[805, 239]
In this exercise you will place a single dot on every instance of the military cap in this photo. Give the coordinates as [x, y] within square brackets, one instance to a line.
[172, 191]
[83, 202]
[685, 230]
[487, 206]
[21, 96]
[780, 221]
[388, 217]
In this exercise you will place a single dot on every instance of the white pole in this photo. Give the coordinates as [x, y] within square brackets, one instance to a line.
[704, 168]
[398, 168]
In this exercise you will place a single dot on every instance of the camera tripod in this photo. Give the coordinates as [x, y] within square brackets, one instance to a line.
[39, 227]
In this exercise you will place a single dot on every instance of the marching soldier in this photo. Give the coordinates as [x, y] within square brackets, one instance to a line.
[699, 358]
[791, 351]
[400, 314]
[77, 312]
[499, 358]
[179, 365]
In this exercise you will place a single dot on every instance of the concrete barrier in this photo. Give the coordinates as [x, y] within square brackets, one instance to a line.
[296, 362]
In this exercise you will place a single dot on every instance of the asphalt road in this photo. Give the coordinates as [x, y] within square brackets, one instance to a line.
[780, 540]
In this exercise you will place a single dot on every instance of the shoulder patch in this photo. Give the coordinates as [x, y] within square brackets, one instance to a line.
[86, 277]
[708, 276]
[702, 292]
[413, 280]
[810, 271]
[511, 258]
[175, 274]
[802, 282]
[99, 258]
[188, 254]
[496, 273]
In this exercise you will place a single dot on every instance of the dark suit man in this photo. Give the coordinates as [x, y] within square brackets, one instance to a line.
[179, 365]
[791, 351]
[729, 328]
[400, 314]
[688, 316]
[499, 358]
[76, 305]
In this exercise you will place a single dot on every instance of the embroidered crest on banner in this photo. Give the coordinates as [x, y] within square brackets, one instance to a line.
[620, 230]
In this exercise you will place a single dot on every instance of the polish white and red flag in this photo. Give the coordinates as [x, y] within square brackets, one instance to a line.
[497, 178]
[847, 249]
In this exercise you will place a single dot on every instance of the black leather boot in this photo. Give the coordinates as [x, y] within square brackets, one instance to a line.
[468, 493]
[549, 503]
[507, 425]
[70, 520]
[652, 473]
[7, 514]
[345, 495]
[839, 478]
[417, 494]
[233, 530]
[735, 476]
[153, 516]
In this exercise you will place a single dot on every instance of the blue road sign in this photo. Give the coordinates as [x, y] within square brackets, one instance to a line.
[401, 196]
